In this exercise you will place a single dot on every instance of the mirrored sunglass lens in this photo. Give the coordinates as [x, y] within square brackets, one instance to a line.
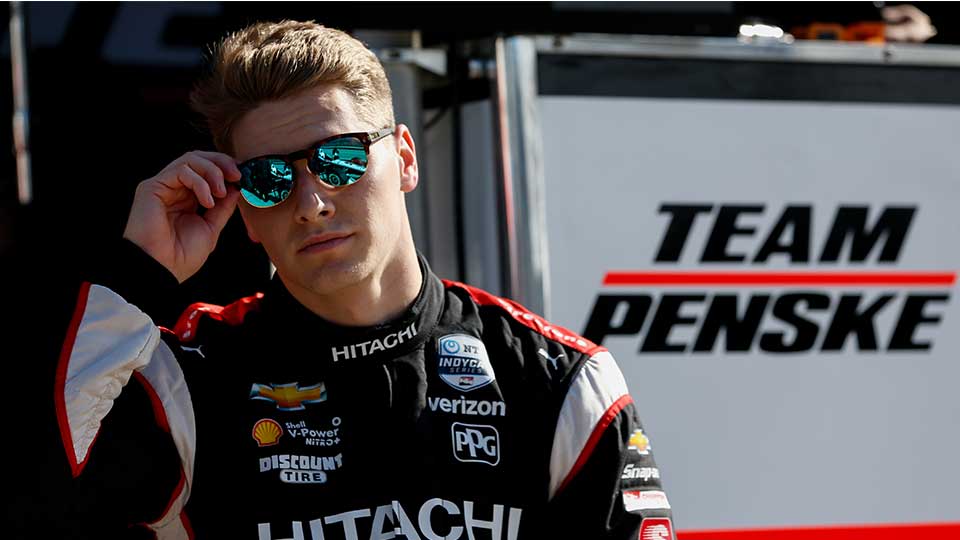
[339, 162]
[266, 182]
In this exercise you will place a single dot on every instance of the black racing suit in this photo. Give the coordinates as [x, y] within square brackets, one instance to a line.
[464, 417]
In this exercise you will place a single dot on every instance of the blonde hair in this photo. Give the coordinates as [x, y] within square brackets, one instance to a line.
[272, 61]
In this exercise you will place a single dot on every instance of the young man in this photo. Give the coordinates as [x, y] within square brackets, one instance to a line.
[360, 396]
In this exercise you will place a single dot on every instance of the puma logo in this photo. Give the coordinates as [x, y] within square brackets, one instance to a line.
[552, 360]
[194, 349]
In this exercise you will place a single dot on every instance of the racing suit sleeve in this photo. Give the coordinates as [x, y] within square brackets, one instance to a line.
[604, 481]
[109, 457]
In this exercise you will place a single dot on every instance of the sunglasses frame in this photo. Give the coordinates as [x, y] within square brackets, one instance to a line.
[365, 137]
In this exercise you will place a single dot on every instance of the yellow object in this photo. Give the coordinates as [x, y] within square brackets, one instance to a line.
[639, 441]
[267, 432]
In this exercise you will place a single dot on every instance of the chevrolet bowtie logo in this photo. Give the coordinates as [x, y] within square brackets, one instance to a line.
[289, 397]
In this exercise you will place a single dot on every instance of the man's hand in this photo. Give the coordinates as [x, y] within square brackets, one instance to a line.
[906, 22]
[163, 218]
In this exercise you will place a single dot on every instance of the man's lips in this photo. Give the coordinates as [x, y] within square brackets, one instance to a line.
[321, 242]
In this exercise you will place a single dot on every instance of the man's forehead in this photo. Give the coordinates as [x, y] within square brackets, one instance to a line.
[288, 125]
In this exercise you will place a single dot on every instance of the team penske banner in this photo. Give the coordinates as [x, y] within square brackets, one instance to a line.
[778, 283]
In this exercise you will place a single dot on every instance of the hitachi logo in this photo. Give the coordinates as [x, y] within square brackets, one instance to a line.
[349, 352]
[468, 406]
[434, 520]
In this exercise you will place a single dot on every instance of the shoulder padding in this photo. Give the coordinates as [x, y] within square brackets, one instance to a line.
[528, 319]
[232, 314]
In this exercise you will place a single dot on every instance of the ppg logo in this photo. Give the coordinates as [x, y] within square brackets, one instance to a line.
[473, 443]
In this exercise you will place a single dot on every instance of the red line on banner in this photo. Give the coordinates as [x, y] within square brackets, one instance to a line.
[872, 279]
[926, 531]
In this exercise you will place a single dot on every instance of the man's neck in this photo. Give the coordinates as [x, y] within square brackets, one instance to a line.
[381, 297]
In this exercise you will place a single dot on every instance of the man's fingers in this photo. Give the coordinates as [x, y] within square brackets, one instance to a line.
[901, 12]
[210, 172]
[907, 23]
[225, 162]
[204, 173]
[194, 182]
[218, 216]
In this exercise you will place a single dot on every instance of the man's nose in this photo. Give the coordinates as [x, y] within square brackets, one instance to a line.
[314, 203]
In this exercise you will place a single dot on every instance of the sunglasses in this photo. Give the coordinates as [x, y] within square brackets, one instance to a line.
[336, 161]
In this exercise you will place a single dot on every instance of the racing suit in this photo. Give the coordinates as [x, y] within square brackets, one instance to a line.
[464, 417]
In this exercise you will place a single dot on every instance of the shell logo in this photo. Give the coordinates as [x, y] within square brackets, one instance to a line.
[639, 442]
[267, 432]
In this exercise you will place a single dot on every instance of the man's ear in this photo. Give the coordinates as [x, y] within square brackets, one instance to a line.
[407, 152]
[246, 223]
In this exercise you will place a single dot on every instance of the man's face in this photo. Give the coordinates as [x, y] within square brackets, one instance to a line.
[324, 239]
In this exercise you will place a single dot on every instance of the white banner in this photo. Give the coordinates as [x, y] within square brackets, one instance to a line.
[777, 281]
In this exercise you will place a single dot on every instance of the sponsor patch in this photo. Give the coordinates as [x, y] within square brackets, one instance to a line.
[311, 436]
[656, 529]
[389, 341]
[473, 443]
[303, 477]
[632, 472]
[393, 520]
[463, 363]
[267, 432]
[639, 443]
[635, 500]
[551, 359]
[471, 407]
[194, 349]
[289, 397]
[297, 469]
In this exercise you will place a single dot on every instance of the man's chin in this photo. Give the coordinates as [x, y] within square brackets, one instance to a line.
[335, 276]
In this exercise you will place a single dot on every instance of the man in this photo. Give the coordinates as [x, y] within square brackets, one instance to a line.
[360, 396]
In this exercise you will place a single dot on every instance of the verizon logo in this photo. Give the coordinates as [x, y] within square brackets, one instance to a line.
[468, 406]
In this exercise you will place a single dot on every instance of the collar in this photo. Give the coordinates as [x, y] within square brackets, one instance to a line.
[338, 345]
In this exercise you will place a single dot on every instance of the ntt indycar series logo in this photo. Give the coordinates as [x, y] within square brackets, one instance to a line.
[463, 363]
[843, 289]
